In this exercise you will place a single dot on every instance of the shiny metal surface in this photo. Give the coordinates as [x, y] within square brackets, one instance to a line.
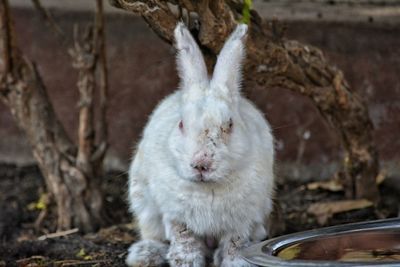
[262, 254]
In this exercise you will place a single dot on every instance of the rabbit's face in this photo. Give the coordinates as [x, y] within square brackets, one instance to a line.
[209, 142]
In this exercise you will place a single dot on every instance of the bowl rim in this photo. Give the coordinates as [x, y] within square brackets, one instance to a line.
[261, 253]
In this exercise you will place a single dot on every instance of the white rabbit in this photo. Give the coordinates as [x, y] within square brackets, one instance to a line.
[203, 170]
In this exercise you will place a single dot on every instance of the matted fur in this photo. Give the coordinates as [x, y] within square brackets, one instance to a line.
[205, 123]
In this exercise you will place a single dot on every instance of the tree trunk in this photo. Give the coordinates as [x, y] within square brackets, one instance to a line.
[273, 61]
[77, 195]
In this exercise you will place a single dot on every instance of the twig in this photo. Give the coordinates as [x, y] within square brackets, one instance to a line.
[84, 60]
[39, 220]
[46, 15]
[26, 261]
[80, 263]
[100, 45]
[152, 14]
[58, 234]
[5, 42]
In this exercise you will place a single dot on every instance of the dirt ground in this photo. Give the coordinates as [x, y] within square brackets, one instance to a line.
[26, 216]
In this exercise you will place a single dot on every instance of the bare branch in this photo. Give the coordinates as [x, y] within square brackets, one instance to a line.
[84, 60]
[217, 22]
[190, 7]
[5, 43]
[47, 16]
[152, 13]
[58, 234]
[302, 68]
[103, 84]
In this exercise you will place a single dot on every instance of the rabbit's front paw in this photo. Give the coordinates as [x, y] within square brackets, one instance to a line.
[146, 253]
[179, 256]
[227, 254]
[185, 250]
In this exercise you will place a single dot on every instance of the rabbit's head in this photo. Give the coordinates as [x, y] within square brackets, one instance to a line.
[210, 141]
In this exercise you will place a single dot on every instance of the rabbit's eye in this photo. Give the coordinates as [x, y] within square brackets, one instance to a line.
[181, 125]
[230, 123]
[227, 130]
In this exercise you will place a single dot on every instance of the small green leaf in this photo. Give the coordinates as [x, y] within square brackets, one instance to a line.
[81, 253]
[246, 11]
[88, 258]
[41, 204]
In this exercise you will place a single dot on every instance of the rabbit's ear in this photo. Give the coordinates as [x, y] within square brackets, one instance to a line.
[191, 67]
[227, 71]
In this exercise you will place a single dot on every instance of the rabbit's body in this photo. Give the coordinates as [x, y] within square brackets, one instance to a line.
[217, 185]
[206, 208]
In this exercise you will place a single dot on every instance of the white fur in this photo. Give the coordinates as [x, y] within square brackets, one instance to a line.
[186, 249]
[233, 199]
[147, 253]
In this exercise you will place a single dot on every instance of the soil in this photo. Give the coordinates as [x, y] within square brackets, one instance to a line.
[21, 223]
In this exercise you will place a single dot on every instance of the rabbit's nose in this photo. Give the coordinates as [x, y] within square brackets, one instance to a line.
[201, 166]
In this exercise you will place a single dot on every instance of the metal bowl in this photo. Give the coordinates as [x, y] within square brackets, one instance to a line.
[374, 243]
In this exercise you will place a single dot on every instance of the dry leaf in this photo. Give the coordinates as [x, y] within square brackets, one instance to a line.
[381, 177]
[324, 211]
[333, 185]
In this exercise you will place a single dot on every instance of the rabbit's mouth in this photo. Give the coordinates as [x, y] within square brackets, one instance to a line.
[204, 176]
[201, 177]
